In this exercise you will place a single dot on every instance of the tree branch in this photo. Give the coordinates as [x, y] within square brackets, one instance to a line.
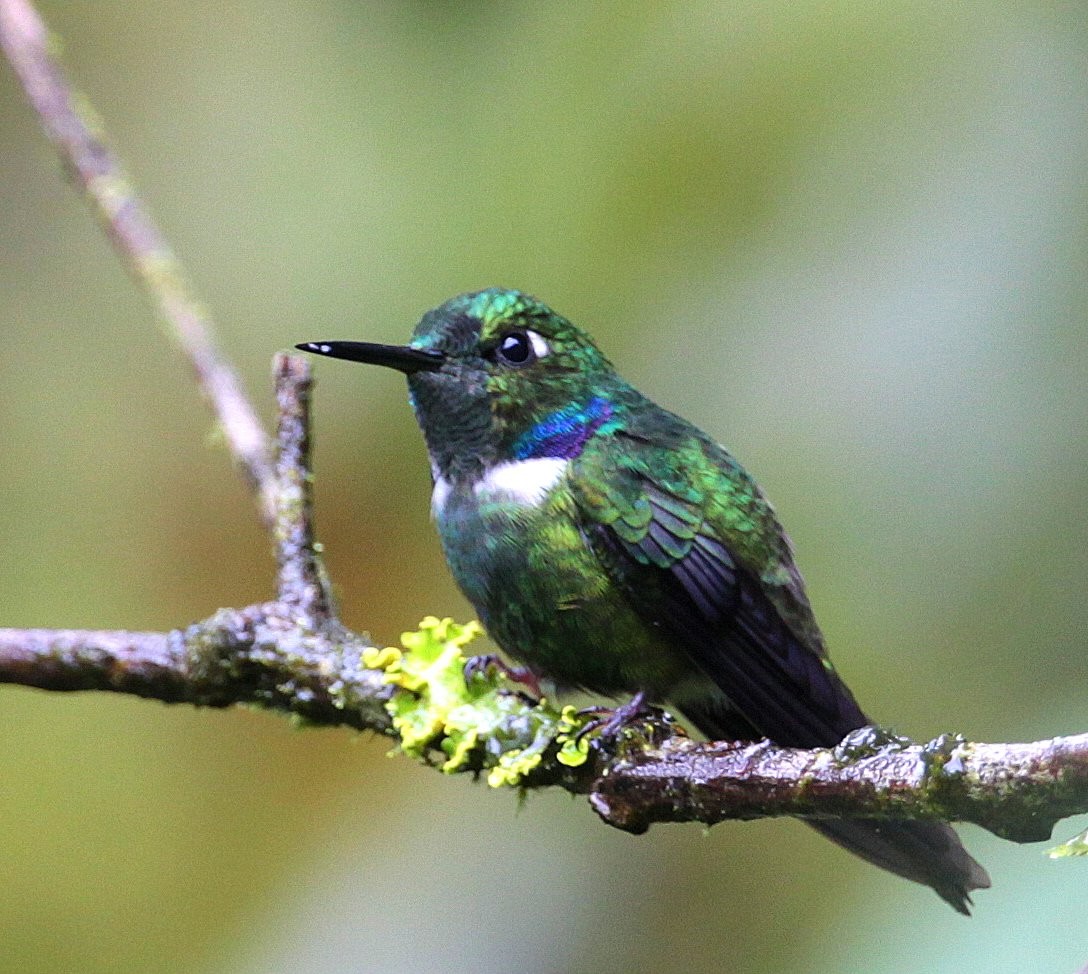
[1017, 791]
[77, 134]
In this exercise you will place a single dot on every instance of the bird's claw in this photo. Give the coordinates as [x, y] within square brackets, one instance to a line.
[483, 666]
[606, 722]
[488, 664]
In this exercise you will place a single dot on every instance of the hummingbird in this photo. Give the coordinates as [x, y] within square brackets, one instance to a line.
[609, 545]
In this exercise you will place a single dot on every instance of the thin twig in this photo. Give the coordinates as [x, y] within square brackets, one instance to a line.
[77, 134]
[301, 578]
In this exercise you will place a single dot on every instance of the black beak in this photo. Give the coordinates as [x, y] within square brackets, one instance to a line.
[403, 358]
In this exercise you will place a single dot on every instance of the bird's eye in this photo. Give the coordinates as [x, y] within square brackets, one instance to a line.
[519, 347]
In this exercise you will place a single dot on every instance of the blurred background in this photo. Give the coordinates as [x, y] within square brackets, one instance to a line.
[848, 240]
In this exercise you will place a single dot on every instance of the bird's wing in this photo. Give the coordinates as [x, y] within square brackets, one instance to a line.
[699, 553]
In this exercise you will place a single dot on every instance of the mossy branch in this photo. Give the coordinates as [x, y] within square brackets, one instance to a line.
[293, 655]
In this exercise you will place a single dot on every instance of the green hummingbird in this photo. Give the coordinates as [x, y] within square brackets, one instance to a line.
[610, 545]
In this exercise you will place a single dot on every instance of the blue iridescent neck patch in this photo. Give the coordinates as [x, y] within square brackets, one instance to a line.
[564, 433]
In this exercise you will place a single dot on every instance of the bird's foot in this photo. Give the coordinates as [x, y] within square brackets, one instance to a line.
[607, 722]
[489, 664]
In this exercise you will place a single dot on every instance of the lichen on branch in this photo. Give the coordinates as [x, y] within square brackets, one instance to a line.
[477, 720]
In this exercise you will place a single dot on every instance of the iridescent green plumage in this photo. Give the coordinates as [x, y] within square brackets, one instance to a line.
[609, 544]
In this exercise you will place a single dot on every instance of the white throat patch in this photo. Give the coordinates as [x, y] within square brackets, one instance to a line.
[522, 482]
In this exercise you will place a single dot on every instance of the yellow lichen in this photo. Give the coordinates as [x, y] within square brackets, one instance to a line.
[480, 723]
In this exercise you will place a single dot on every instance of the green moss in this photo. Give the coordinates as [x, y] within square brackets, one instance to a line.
[480, 724]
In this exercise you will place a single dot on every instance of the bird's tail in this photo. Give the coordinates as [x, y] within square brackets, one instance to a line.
[929, 853]
[926, 852]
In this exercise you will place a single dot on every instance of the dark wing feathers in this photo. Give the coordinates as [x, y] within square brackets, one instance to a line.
[687, 581]
[707, 576]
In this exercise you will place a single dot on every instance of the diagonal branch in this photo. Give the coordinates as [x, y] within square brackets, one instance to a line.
[77, 135]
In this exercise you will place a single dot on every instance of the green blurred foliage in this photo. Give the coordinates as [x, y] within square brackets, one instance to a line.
[849, 239]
